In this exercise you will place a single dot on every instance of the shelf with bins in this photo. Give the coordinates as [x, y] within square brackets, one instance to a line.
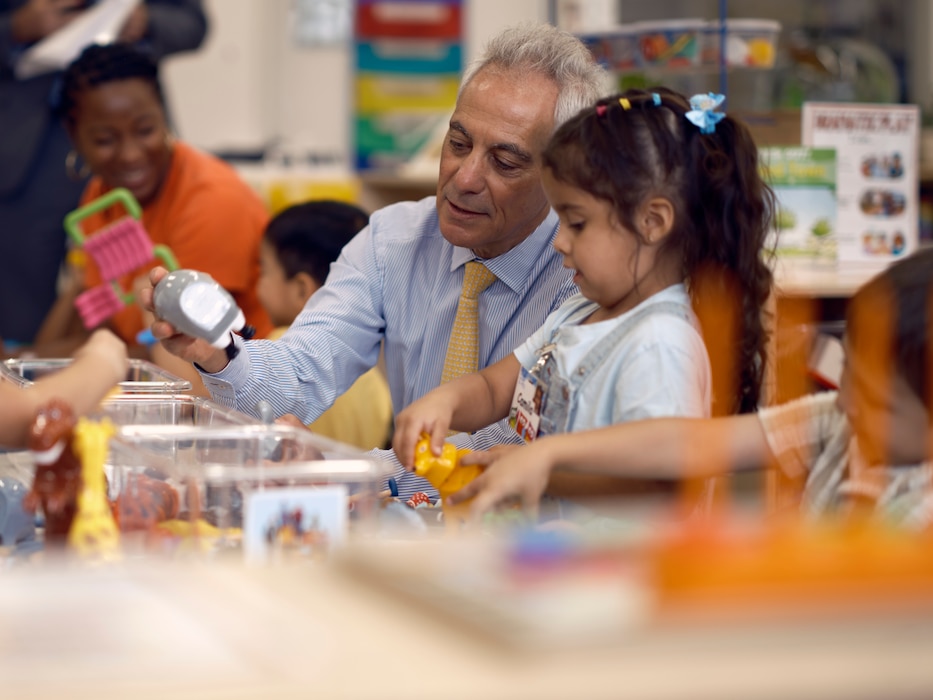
[685, 45]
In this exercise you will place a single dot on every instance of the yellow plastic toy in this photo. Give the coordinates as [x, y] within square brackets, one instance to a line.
[94, 532]
[446, 475]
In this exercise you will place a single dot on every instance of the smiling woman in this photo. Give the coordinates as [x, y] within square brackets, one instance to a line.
[113, 109]
[123, 137]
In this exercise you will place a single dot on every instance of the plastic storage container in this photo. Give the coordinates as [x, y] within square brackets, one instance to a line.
[616, 48]
[272, 490]
[142, 377]
[670, 43]
[170, 409]
[750, 43]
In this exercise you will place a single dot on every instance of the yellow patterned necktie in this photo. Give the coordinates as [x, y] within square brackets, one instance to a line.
[463, 348]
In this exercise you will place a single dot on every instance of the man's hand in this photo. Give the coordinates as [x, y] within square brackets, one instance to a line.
[291, 420]
[186, 347]
[37, 19]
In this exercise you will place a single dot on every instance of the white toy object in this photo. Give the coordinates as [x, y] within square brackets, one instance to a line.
[198, 306]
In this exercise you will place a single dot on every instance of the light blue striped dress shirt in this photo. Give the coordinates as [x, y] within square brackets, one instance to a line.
[398, 281]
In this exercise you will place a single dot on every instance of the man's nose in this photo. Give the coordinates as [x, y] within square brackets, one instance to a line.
[471, 173]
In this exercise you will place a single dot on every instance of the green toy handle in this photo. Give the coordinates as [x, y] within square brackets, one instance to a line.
[164, 253]
[160, 252]
[115, 196]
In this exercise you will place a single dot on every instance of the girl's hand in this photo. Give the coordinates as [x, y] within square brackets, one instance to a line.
[522, 472]
[106, 346]
[429, 415]
[484, 457]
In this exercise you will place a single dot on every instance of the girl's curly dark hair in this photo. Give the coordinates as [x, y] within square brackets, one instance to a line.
[643, 146]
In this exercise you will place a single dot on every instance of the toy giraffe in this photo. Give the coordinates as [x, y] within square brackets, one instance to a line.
[447, 476]
[94, 531]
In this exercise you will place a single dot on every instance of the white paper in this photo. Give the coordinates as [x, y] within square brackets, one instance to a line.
[876, 177]
[99, 24]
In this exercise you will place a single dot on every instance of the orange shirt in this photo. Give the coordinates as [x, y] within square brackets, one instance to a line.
[210, 219]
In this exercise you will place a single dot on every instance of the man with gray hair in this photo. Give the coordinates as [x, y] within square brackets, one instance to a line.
[398, 283]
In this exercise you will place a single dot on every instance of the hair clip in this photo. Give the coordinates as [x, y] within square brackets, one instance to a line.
[600, 110]
[656, 98]
[702, 112]
[626, 105]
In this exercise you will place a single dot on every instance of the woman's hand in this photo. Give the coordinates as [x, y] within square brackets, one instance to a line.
[514, 471]
[36, 19]
[136, 24]
[186, 347]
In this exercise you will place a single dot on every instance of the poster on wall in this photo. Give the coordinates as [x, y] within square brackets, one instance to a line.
[408, 63]
[804, 184]
[321, 22]
[876, 176]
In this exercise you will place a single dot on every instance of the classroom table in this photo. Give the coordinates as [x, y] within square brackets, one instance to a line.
[794, 279]
[219, 629]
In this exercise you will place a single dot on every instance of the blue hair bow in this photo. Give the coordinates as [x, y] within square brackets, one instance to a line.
[702, 112]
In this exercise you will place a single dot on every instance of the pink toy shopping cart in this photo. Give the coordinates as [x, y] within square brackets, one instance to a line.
[118, 248]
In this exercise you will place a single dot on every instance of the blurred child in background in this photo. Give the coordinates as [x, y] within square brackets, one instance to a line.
[299, 245]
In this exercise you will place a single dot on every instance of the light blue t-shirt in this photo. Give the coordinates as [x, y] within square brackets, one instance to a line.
[659, 367]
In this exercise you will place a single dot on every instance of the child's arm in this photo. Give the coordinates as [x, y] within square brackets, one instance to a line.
[468, 403]
[98, 365]
[667, 448]
[62, 332]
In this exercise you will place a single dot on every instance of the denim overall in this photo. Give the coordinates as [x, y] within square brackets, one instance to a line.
[558, 407]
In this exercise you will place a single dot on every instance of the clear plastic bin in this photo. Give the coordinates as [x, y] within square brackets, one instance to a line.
[274, 491]
[670, 43]
[142, 377]
[750, 43]
[170, 409]
[616, 48]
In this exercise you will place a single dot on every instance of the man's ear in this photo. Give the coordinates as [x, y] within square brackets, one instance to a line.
[657, 219]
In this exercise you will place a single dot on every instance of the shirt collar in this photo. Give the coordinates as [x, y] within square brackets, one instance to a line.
[515, 266]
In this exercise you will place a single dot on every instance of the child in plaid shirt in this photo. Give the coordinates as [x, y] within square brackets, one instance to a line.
[865, 444]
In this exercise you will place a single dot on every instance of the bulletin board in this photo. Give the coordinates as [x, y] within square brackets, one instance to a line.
[408, 59]
[877, 214]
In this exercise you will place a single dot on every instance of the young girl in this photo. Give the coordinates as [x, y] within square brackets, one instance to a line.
[662, 208]
[864, 447]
